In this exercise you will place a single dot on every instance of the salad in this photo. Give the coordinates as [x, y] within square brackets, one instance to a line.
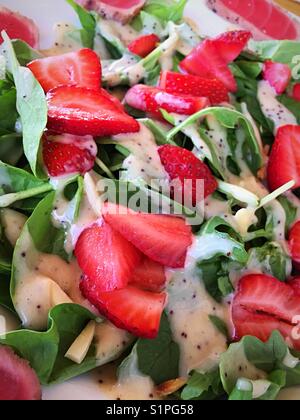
[149, 205]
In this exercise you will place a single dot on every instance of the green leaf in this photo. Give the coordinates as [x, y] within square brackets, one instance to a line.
[24, 53]
[220, 325]
[88, 22]
[8, 111]
[291, 104]
[17, 184]
[290, 211]
[11, 148]
[159, 358]
[45, 350]
[282, 51]
[169, 10]
[200, 383]
[5, 299]
[31, 106]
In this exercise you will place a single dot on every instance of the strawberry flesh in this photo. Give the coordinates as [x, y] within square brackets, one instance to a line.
[143, 45]
[82, 111]
[278, 75]
[106, 257]
[183, 165]
[294, 244]
[296, 92]
[67, 154]
[150, 99]
[284, 161]
[188, 84]
[164, 239]
[149, 275]
[134, 310]
[81, 68]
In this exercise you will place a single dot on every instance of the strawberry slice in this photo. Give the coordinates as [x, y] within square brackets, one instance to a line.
[262, 293]
[149, 275]
[262, 326]
[144, 45]
[296, 92]
[18, 381]
[150, 99]
[295, 285]
[134, 310]
[231, 44]
[278, 75]
[263, 304]
[164, 239]
[67, 154]
[294, 244]
[206, 61]
[82, 111]
[183, 165]
[106, 257]
[80, 68]
[187, 84]
[284, 161]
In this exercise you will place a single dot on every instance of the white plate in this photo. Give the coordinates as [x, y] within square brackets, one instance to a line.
[46, 13]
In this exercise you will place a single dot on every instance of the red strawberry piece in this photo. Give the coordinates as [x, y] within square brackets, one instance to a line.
[284, 162]
[262, 326]
[187, 84]
[278, 75]
[262, 293]
[134, 310]
[183, 165]
[164, 239]
[206, 61]
[294, 244]
[81, 68]
[67, 154]
[149, 275]
[144, 45]
[106, 257]
[18, 380]
[295, 284]
[18, 26]
[296, 92]
[82, 111]
[150, 99]
[113, 98]
[231, 44]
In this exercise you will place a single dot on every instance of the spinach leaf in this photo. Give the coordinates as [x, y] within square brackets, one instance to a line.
[290, 211]
[88, 21]
[11, 148]
[203, 386]
[220, 325]
[31, 106]
[169, 10]
[17, 184]
[158, 358]
[8, 112]
[24, 52]
[282, 51]
[270, 259]
[45, 350]
[5, 299]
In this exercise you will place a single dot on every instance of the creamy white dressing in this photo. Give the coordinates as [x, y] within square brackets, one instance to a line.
[189, 307]
[65, 40]
[272, 108]
[113, 29]
[144, 162]
[114, 70]
[12, 222]
[2, 67]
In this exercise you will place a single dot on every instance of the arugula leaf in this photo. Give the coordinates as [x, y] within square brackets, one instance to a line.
[229, 119]
[31, 106]
[88, 21]
[270, 259]
[254, 360]
[159, 358]
[169, 10]
[203, 386]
